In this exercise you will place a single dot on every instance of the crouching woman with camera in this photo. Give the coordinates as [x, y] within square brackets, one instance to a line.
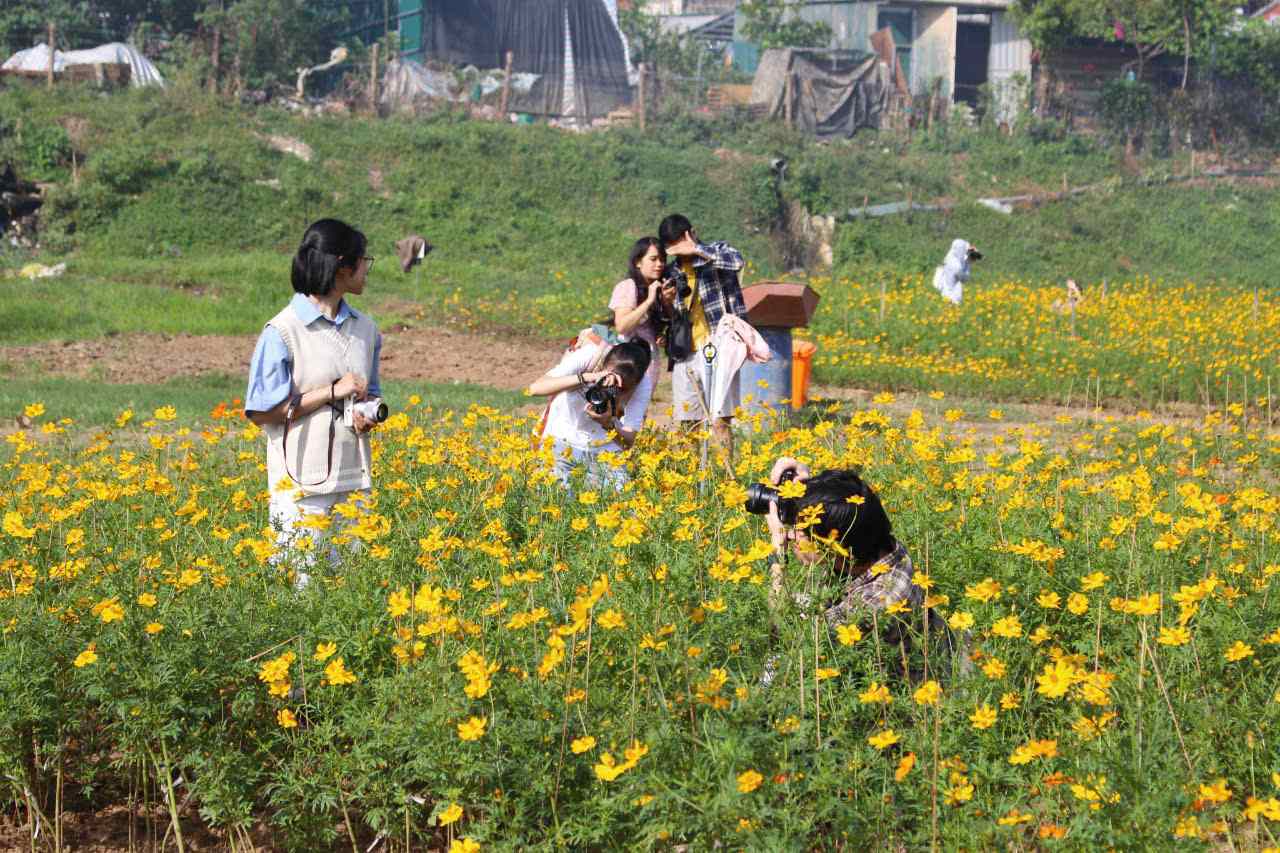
[836, 521]
[313, 387]
[599, 396]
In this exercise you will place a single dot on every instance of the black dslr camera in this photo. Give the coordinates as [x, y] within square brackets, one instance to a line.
[759, 496]
[601, 398]
[974, 254]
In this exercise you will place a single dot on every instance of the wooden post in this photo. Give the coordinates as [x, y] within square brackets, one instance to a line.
[215, 57]
[787, 96]
[506, 86]
[640, 93]
[53, 41]
[373, 78]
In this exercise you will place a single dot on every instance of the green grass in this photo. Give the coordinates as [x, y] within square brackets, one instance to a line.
[172, 226]
[95, 404]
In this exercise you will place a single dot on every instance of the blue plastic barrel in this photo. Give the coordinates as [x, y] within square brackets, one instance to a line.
[775, 373]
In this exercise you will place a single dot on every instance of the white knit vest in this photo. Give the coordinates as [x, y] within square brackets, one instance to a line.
[322, 353]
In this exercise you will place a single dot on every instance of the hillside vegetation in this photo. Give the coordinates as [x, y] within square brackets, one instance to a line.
[177, 215]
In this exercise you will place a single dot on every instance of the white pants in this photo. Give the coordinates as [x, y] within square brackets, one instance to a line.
[596, 473]
[686, 395]
[287, 509]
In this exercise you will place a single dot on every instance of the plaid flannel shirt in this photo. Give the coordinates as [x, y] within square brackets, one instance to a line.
[718, 287]
[889, 580]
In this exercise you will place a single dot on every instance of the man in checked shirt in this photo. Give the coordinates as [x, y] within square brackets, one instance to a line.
[842, 528]
[705, 276]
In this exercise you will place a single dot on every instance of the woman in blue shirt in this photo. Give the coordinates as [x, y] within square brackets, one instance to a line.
[312, 357]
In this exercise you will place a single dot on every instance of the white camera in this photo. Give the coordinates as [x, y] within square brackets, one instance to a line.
[373, 409]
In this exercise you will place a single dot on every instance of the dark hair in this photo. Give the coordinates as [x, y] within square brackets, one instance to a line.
[672, 229]
[862, 528]
[638, 251]
[328, 245]
[629, 360]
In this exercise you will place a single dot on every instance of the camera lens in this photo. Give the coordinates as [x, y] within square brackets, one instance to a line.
[599, 398]
[759, 496]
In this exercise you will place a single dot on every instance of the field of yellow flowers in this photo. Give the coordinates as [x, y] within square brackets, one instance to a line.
[501, 665]
[1142, 339]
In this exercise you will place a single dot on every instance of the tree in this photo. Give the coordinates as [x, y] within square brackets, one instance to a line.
[777, 23]
[1152, 27]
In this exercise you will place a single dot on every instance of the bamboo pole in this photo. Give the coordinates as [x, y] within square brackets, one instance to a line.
[640, 95]
[53, 41]
[373, 78]
[506, 86]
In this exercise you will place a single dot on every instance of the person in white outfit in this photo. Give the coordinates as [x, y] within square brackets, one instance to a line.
[312, 356]
[949, 278]
[599, 394]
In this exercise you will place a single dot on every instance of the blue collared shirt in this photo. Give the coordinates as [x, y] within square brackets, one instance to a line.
[271, 369]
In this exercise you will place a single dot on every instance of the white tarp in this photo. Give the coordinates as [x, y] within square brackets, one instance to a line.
[406, 80]
[142, 71]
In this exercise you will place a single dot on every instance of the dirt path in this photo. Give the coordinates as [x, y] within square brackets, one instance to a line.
[444, 355]
[432, 355]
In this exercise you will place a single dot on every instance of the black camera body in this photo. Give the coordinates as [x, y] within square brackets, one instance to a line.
[601, 398]
[974, 254]
[759, 496]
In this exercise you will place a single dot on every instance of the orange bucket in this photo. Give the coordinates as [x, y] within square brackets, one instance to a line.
[801, 366]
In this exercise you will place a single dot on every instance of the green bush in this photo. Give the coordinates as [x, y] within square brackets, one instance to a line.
[44, 151]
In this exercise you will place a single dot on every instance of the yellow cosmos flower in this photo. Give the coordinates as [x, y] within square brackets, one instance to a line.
[582, 744]
[86, 657]
[611, 619]
[337, 674]
[983, 717]
[1008, 627]
[904, 766]
[928, 693]
[748, 781]
[1174, 637]
[472, 728]
[286, 719]
[874, 693]
[464, 845]
[154, 627]
[33, 410]
[1216, 791]
[165, 413]
[883, 739]
[324, 651]
[1238, 651]
[147, 600]
[450, 815]
[848, 634]
[15, 527]
[110, 611]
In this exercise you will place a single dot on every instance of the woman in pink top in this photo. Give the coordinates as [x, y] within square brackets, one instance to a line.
[635, 299]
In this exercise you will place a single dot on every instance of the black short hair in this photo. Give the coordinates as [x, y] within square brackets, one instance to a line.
[863, 528]
[327, 246]
[629, 360]
[672, 229]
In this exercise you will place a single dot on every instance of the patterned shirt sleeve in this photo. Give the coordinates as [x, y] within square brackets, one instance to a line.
[722, 256]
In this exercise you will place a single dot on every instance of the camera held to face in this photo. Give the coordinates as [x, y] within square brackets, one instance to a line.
[759, 496]
[373, 409]
[601, 398]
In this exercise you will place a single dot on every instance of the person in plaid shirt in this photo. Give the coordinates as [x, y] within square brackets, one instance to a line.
[704, 276]
[877, 589]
